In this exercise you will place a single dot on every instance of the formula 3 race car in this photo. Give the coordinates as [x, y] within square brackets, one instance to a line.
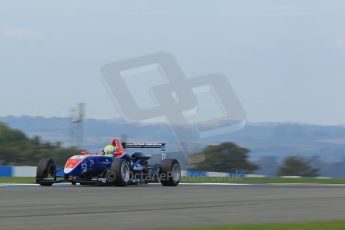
[119, 170]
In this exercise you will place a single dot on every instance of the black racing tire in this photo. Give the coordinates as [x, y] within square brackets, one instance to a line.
[46, 168]
[170, 172]
[120, 169]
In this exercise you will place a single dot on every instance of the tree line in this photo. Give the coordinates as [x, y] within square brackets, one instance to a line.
[18, 149]
[229, 157]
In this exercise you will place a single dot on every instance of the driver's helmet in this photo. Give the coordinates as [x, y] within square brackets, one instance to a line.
[109, 150]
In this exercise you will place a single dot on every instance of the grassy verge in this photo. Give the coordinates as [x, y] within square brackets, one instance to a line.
[19, 180]
[27, 180]
[334, 225]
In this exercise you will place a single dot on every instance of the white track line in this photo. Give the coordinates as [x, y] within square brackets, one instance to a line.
[193, 184]
[217, 184]
[8, 185]
[308, 184]
[33, 185]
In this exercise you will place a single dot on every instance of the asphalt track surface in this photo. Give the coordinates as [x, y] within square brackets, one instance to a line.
[154, 206]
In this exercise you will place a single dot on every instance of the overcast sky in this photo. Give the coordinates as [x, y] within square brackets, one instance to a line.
[284, 59]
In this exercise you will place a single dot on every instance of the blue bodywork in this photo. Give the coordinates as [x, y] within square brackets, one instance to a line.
[93, 165]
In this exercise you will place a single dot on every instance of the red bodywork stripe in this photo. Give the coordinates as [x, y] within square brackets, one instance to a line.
[71, 163]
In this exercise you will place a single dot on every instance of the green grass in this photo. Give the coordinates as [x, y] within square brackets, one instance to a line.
[333, 225]
[19, 180]
[27, 180]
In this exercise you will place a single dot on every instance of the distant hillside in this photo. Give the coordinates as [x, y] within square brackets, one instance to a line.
[96, 132]
[264, 139]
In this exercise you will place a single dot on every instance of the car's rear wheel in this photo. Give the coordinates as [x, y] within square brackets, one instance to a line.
[170, 172]
[121, 172]
[46, 172]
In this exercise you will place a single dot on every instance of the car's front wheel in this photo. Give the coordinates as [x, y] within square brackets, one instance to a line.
[46, 172]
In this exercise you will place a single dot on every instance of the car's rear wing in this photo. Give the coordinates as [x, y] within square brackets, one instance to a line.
[146, 146]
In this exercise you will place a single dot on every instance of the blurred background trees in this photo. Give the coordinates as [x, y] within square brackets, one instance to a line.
[17, 149]
[297, 166]
[226, 157]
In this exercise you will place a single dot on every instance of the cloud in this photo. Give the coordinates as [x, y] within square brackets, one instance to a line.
[340, 42]
[19, 34]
